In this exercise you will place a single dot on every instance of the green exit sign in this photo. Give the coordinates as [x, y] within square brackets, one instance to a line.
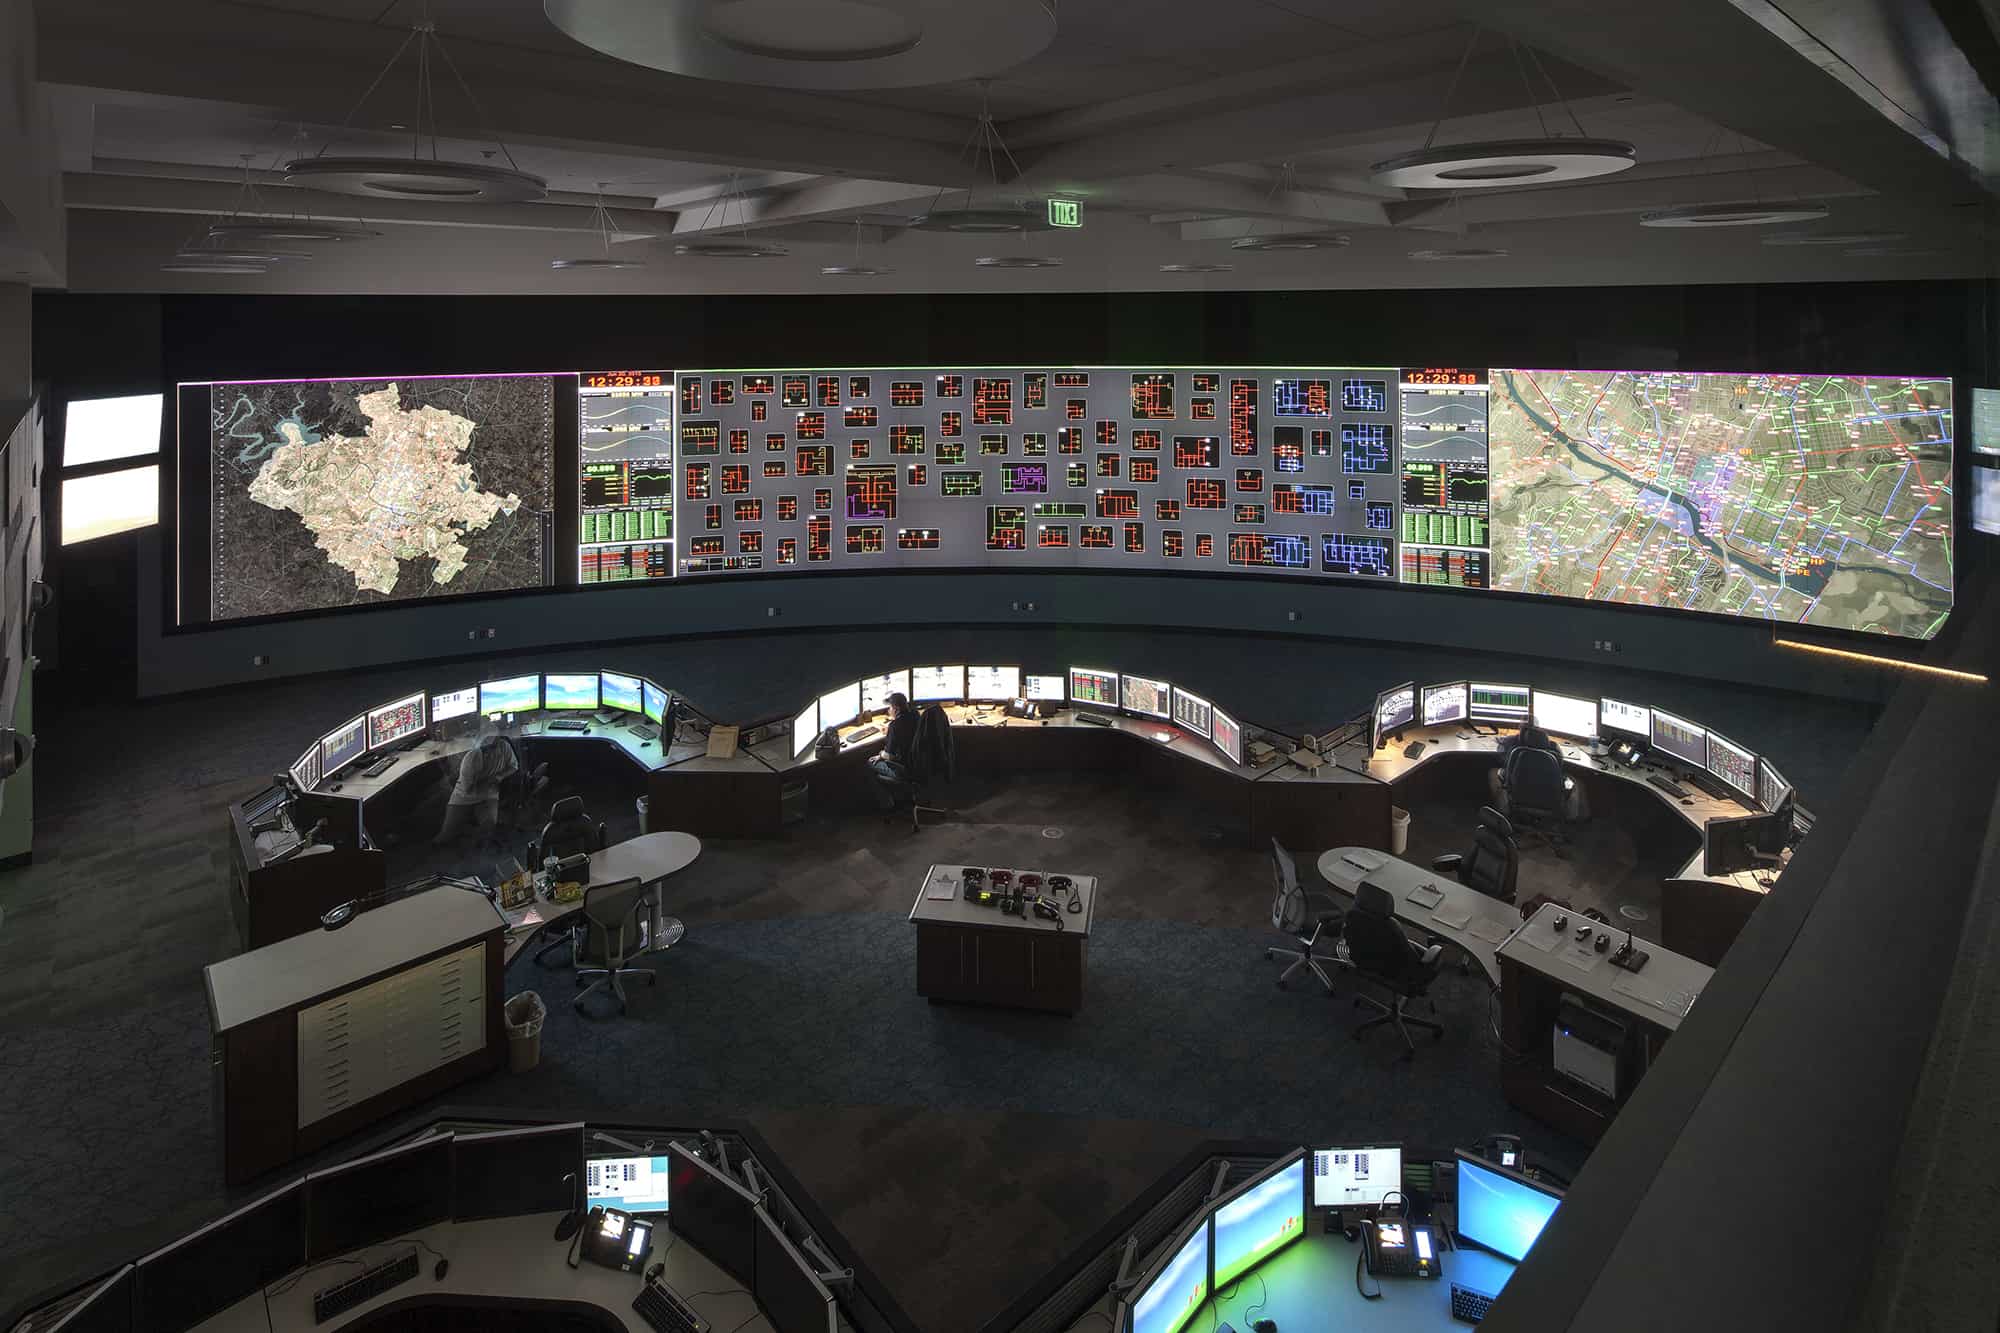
[1065, 213]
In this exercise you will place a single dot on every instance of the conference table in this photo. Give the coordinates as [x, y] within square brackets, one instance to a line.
[1464, 918]
[649, 858]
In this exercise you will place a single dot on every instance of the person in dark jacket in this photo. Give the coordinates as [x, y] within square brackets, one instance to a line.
[891, 768]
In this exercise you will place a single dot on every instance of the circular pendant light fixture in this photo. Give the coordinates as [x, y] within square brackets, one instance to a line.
[1836, 238]
[1197, 268]
[1277, 242]
[983, 221]
[224, 255]
[855, 269]
[209, 266]
[813, 44]
[1459, 254]
[1732, 215]
[1017, 261]
[602, 262]
[730, 250]
[288, 229]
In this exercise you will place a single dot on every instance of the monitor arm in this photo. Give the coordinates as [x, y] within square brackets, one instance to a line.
[599, 1136]
[1125, 1281]
[830, 1272]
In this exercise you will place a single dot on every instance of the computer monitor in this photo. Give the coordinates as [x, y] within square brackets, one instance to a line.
[343, 745]
[1444, 703]
[937, 684]
[1734, 765]
[570, 690]
[788, 1289]
[1193, 713]
[1501, 1210]
[1258, 1218]
[1773, 792]
[1395, 708]
[305, 769]
[516, 1172]
[1043, 689]
[106, 1309]
[713, 1213]
[1509, 705]
[875, 690]
[624, 693]
[838, 707]
[1355, 1177]
[1744, 842]
[1227, 735]
[1088, 685]
[455, 703]
[1629, 719]
[1147, 698]
[391, 722]
[656, 700]
[805, 729]
[992, 684]
[1170, 1292]
[1680, 738]
[635, 1184]
[516, 694]
[385, 1196]
[232, 1257]
[1566, 715]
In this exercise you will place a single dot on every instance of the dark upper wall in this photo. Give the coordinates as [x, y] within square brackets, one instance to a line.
[109, 344]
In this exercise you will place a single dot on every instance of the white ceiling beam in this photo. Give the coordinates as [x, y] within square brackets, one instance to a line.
[1239, 198]
[218, 198]
[752, 182]
[823, 200]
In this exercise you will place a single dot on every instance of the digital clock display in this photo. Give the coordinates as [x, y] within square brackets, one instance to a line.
[624, 379]
[1443, 375]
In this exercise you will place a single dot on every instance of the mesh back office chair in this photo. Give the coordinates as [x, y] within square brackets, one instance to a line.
[934, 759]
[1535, 792]
[569, 832]
[610, 936]
[1492, 865]
[1302, 916]
[1383, 956]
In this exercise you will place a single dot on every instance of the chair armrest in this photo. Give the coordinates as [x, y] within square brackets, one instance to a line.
[1449, 863]
[603, 839]
[1430, 955]
[534, 855]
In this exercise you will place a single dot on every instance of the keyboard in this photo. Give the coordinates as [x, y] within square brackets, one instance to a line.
[662, 1308]
[646, 733]
[1414, 749]
[1469, 1305]
[569, 724]
[336, 1300]
[1668, 785]
[1094, 719]
[861, 734]
[379, 767]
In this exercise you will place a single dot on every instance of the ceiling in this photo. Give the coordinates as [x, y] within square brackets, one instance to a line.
[1181, 125]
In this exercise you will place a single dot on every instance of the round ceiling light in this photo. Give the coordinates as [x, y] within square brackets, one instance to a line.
[1463, 166]
[596, 265]
[1889, 252]
[416, 178]
[1836, 238]
[1298, 240]
[1460, 254]
[1018, 261]
[853, 271]
[290, 229]
[1197, 268]
[815, 44]
[197, 266]
[203, 254]
[730, 250]
[1732, 215]
[981, 221]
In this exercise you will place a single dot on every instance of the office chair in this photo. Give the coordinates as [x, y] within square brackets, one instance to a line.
[1383, 956]
[569, 832]
[610, 936]
[1535, 795]
[523, 785]
[933, 759]
[1292, 911]
[1493, 864]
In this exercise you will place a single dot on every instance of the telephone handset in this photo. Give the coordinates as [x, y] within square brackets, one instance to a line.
[617, 1239]
[1398, 1246]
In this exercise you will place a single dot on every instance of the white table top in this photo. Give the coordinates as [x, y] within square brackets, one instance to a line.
[955, 911]
[1659, 994]
[293, 971]
[647, 755]
[1464, 917]
[646, 858]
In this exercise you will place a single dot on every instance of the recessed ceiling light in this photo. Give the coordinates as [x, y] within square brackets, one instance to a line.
[195, 266]
[730, 250]
[1464, 252]
[982, 221]
[1298, 240]
[1835, 237]
[853, 271]
[594, 265]
[290, 229]
[1503, 162]
[1732, 215]
[1197, 268]
[1018, 261]
[825, 44]
[416, 178]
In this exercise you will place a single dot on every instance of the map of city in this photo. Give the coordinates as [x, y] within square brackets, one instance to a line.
[1815, 499]
[338, 493]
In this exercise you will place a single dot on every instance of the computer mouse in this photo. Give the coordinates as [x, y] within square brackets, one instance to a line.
[653, 1273]
[1263, 1326]
[443, 1267]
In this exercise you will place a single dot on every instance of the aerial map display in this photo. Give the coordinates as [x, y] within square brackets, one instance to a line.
[1815, 499]
[335, 493]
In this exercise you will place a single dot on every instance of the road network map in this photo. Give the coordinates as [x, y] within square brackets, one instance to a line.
[1817, 499]
[344, 492]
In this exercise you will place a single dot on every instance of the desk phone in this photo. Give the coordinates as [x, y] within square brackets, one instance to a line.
[1399, 1247]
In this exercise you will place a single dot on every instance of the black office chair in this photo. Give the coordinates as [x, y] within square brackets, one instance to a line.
[933, 760]
[1535, 795]
[523, 786]
[610, 936]
[1293, 910]
[1493, 864]
[569, 832]
[1382, 956]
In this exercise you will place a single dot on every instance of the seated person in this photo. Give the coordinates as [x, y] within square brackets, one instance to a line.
[1532, 737]
[475, 798]
[891, 767]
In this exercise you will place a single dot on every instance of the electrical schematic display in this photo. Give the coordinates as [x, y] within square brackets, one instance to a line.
[1153, 398]
[625, 494]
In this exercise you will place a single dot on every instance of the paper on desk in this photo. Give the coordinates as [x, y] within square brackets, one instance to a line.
[943, 887]
[1426, 895]
[1493, 932]
[1582, 960]
[1453, 917]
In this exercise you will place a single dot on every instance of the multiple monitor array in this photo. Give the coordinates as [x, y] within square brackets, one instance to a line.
[1822, 500]
[396, 722]
[1092, 687]
[389, 1196]
[1498, 1210]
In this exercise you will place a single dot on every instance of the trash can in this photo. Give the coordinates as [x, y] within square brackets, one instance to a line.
[523, 1015]
[1399, 830]
[645, 807]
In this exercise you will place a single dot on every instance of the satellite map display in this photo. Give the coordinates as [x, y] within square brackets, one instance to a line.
[1816, 499]
[333, 493]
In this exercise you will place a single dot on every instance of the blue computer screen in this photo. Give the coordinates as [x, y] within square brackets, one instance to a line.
[520, 694]
[656, 701]
[569, 691]
[1166, 1303]
[1260, 1221]
[1499, 1210]
[620, 691]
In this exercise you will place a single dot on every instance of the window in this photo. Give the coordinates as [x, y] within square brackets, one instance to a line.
[105, 488]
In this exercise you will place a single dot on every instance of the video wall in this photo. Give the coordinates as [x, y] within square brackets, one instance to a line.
[1807, 499]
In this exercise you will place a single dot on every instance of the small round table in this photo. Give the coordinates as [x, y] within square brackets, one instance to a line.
[649, 858]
